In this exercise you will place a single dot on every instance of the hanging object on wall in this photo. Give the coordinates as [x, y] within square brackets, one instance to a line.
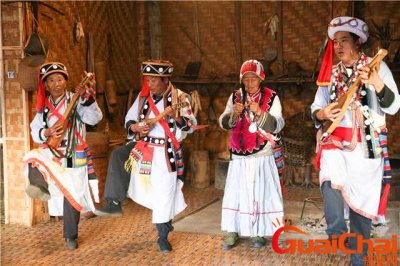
[271, 25]
[195, 102]
[37, 44]
[77, 32]
[77, 29]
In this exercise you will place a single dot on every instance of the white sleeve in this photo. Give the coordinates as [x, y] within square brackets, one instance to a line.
[276, 112]
[37, 129]
[386, 75]
[222, 120]
[91, 114]
[132, 117]
[320, 101]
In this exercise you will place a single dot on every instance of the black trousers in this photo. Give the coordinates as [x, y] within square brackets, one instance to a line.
[70, 215]
[117, 181]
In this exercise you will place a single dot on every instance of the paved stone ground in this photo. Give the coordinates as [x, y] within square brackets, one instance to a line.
[131, 240]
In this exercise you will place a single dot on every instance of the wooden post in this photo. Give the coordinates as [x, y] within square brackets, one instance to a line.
[35, 11]
[153, 9]
[238, 35]
[280, 36]
[196, 30]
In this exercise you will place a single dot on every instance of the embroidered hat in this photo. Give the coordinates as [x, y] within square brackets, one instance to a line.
[52, 67]
[252, 66]
[159, 68]
[46, 70]
[155, 68]
[349, 24]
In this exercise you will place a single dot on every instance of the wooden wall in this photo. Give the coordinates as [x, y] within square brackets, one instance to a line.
[15, 130]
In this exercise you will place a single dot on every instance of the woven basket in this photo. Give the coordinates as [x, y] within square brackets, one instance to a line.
[296, 152]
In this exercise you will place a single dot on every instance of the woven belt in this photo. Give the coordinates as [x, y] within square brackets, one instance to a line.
[154, 140]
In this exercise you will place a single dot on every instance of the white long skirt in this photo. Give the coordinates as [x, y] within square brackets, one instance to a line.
[358, 178]
[163, 193]
[252, 204]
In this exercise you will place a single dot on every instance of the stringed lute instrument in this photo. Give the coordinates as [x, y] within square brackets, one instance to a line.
[87, 82]
[345, 100]
[151, 121]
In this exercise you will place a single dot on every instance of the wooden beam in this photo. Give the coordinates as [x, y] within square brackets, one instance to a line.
[52, 8]
[35, 11]
[196, 30]
[153, 9]
[238, 35]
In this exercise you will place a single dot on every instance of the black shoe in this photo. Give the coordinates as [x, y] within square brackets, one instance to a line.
[258, 242]
[112, 209]
[231, 240]
[72, 244]
[38, 192]
[164, 245]
[170, 226]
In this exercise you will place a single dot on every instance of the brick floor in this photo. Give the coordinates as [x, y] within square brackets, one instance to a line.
[130, 240]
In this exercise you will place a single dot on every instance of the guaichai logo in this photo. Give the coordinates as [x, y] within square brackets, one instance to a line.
[325, 246]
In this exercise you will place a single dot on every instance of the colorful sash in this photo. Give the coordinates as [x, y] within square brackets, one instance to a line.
[83, 151]
[143, 152]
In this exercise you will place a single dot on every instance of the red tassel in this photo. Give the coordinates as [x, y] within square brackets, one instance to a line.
[41, 96]
[282, 188]
[325, 72]
[383, 201]
[145, 88]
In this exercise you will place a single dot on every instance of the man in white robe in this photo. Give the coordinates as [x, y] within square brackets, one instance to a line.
[149, 168]
[62, 175]
[353, 160]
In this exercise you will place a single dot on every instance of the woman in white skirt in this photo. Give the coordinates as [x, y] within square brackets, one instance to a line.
[252, 204]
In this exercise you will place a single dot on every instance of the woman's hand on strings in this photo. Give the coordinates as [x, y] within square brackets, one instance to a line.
[329, 112]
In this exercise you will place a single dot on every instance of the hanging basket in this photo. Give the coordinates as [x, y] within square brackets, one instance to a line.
[37, 44]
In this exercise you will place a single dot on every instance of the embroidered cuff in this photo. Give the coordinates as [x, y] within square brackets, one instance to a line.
[267, 122]
[87, 102]
[225, 122]
[185, 125]
[42, 137]
[318, 123]
[128, 125]
[385, 97]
